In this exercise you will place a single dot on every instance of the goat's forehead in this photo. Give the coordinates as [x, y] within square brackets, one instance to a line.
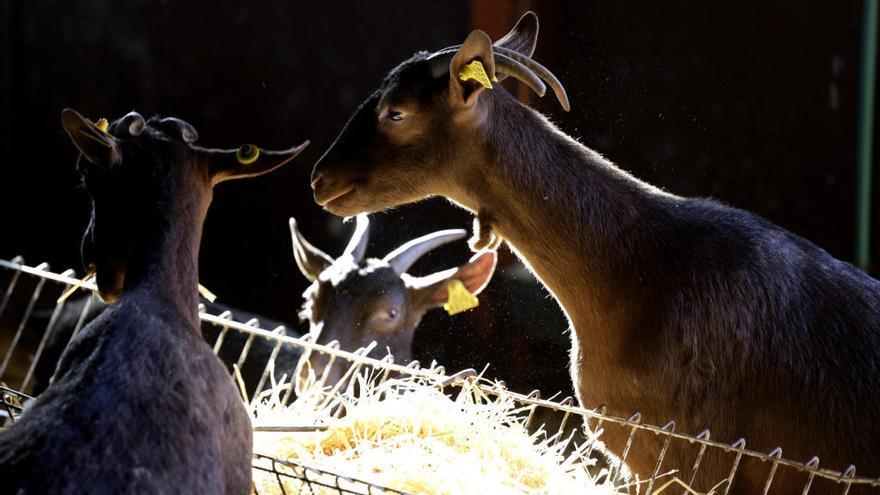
[346, 275]
[411, 78]
[149, 132]
[413, 69]
[153, 128]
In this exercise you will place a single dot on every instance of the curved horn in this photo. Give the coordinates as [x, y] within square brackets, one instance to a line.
[133, 123]
[507, 66]
[403, 257]
[541, 71]
[310, 260]
[357, 246]
[513, 67]
[510, 62]
[187, 131]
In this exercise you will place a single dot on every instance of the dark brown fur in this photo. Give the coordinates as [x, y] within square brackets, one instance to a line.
[683, 309]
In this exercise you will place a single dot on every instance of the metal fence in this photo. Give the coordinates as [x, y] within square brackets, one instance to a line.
[23, 350]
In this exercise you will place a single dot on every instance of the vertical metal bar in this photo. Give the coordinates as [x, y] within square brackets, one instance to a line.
[351, 372]
[24, 319]
[668, 427]
[776, 453]
[811, 466]
[255, 323]
[703, 435]
[331, 359]
[9, 288]
[568, 401]
[533, 395]
[739, 445]
[46, 334]
[309, 338]
[865, 138]
[82, 316]
[636, 418]
[849, 474]
[270, 364]
[226, 315]
[585, 423]
[389, 359]
[278, 477]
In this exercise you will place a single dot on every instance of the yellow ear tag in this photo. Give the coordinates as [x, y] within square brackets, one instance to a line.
[247, 154]
[103, 125]
[474, 70]
[460, 299]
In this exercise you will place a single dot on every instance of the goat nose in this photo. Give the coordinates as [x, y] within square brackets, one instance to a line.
[317, 180]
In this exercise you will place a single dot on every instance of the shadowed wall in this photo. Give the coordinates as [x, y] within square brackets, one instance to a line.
[751, 103]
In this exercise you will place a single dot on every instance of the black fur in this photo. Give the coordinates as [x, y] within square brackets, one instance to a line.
[138, 403]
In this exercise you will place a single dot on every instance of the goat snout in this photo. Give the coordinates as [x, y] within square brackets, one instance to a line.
[327, 190]
[317, 180]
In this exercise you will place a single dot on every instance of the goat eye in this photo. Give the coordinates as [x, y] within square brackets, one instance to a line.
[392, 314]
[395, 115]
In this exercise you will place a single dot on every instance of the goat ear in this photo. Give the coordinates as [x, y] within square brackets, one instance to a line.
[523, 37]
[92, 140]
[432, 291]
[310, 260]
[246, 161]
[466, 79]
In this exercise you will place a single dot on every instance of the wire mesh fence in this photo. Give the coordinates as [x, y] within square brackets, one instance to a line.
[297, 478]
[34, 324]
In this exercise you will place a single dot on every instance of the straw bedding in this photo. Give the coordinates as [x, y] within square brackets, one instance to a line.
[407, 434]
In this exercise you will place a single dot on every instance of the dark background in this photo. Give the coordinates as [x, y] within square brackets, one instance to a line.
[752, 103]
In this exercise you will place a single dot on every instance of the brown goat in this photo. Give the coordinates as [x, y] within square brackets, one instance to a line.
[355, 300]
[139, 403]
[682, 309]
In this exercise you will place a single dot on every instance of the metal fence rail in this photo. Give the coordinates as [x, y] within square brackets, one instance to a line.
[30, 287]
[298, 478]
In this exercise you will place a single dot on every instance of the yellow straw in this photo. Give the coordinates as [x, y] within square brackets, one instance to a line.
[210, 296]
[75, 287]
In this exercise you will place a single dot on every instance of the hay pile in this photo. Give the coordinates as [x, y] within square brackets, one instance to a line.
[408, 435]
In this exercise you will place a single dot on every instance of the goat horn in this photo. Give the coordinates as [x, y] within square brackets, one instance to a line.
[187, 131]
[406, 255]
[509, 63]
[513, 67]
[542, 72]
[357, 246]
[310, 260]
[133, 123]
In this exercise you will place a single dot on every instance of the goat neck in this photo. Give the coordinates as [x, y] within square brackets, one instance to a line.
[164, 254]
[552, 199]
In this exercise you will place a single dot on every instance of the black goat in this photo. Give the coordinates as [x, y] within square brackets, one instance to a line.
[356, 300]
[83, 310]
[139, 403]
[680, 308]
